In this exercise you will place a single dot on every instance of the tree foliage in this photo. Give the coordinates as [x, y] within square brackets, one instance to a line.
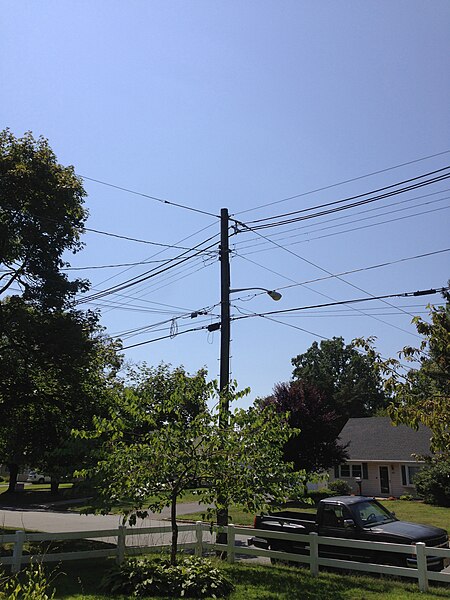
[422, 395]
[56, 371]
[41, 217]
[315, 447]
[153, 449]
[55, 363]
[349, 380]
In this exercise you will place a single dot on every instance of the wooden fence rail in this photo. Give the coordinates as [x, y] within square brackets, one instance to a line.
[199, 544]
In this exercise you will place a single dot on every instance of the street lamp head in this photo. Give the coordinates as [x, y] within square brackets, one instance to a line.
[274, 295]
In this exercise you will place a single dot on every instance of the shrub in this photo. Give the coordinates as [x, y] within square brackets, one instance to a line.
[433, 483]
[31, 584]
[407, 497]
[338, 487]
[318, 495]
[192, 577]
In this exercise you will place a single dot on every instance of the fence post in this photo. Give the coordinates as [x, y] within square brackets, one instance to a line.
[422, 567]
[121, 543]
[198, 538]
[314, 553]
[230, 543]
[17, 551]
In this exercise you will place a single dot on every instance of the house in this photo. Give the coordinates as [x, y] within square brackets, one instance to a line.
[381, 457]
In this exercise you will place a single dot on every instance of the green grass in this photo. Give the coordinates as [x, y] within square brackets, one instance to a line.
[418, 512]
[81, 581]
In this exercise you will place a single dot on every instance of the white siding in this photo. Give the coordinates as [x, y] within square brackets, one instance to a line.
[372, 486]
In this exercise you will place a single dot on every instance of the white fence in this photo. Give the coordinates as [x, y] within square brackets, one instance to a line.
[199, 544]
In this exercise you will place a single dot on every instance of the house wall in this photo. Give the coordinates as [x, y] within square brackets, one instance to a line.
[372, 485]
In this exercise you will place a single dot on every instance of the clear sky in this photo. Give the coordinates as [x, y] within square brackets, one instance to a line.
[239, 104]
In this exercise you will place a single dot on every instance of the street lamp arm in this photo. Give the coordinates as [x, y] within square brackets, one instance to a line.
[272, 293]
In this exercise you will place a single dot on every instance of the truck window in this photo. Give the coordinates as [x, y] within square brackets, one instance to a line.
[333, 516]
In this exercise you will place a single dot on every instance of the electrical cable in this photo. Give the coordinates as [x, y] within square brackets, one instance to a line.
[145, 276]
[428, 292]
[380, 210]
[333, 185]
[337, 277]
[346, 207]
[361, 269]
[162, 200]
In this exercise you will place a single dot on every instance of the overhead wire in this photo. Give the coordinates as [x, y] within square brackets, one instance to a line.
[379, 210]
[147, 275]
[359, 270]
[264, 224]
[161, 200]
[337, 277]
[351, 180]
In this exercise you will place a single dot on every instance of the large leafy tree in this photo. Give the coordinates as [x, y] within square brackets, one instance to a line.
[154, 448]
[349, 379]
[41, 217]
[54, 361]
[422, 395]
[315, 447]
[56, 371]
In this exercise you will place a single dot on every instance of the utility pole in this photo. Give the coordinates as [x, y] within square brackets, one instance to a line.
[224, 405]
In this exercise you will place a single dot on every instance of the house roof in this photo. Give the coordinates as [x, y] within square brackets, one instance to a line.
[376, 438]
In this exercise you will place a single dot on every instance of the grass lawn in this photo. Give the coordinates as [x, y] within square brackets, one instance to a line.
[417, 512]
[81, 581]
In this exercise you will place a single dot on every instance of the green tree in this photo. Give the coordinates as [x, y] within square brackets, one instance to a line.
[423, 394]
[55, 363]
[41, 217]
[154, 449]
[350, 381]
[315, 447]
[56, 372]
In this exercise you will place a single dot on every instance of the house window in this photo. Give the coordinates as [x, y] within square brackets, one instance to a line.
[357, 470]
[408, 474]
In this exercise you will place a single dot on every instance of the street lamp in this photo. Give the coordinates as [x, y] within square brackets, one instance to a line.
[272, 293]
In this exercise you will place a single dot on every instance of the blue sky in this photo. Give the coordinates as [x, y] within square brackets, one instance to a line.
[232, 104]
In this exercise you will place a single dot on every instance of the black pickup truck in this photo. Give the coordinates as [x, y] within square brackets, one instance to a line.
[355, 518]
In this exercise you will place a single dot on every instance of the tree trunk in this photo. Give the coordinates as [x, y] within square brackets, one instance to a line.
[54, 486]
[173, 522]
[13, 469]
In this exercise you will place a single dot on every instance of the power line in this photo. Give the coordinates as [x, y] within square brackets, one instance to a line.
[165, 337]
[348, 302]
[333, 185]
[265, 225]
[144, 277]
[162, 200]
[337, 277]
[361, 269]
[132, 239]
[188, 237]
[287, 310]
[114, 266]
[378, 210]
[352, 230]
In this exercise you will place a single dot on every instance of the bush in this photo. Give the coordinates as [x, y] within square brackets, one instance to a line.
[192, 577]
[318, 495]
[338, 487]
[433, 483]
[407, 497]
[31, 584]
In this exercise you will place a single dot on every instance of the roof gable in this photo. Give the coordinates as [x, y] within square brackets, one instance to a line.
[376, 438]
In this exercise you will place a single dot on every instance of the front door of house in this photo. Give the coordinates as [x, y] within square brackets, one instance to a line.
[384, 480]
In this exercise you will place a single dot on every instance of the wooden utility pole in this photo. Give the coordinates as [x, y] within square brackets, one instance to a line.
[224, 407]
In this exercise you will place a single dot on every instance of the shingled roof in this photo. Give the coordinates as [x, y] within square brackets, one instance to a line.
[376, 439]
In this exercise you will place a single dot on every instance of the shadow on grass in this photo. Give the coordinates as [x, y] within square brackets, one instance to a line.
[253, 582]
